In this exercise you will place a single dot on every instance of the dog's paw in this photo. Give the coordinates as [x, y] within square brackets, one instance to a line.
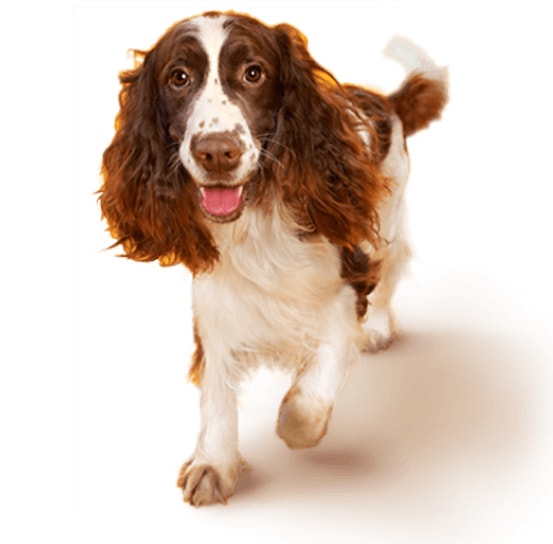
[376, 340]
[302, 421]
[203, 484]
[380, 330]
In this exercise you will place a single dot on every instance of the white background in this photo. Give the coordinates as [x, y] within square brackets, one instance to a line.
[446, 437]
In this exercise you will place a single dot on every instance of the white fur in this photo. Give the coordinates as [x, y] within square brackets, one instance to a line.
[380, 325]
[213, 112]
[413, 58]
[272, 297]
[269, 288]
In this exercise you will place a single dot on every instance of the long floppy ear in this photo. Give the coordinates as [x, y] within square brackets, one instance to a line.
[331, 184]
[147, 197]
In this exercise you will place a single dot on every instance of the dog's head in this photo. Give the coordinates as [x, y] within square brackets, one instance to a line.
[222, 113]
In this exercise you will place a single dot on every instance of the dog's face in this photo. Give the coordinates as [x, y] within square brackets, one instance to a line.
[222, 113]
[221, 92]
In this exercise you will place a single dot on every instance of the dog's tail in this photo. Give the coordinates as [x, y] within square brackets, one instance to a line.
[423, 95]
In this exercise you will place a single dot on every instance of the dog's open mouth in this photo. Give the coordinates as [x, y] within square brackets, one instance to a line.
[222, 204]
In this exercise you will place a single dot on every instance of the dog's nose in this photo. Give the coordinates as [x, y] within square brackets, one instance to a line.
[217, 153]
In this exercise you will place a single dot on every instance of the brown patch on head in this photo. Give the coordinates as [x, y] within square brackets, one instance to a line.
[251, 45]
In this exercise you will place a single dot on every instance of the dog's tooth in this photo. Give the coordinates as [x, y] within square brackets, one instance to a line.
[240, 190]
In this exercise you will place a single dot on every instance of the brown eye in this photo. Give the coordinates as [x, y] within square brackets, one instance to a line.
[179, 78]
[253, 74]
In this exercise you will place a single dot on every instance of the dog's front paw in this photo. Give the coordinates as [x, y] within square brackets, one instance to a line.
[302, 420]
[203, 484]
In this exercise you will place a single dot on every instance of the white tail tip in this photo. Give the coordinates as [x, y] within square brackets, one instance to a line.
[413, 58]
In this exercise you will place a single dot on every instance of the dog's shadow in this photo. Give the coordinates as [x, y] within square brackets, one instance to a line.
[437, 405]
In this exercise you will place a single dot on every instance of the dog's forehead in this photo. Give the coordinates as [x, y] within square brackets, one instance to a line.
[208, 33]
[211, 31]
[215, 30]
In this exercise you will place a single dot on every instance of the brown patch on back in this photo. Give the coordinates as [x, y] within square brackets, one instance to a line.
[380, 111]
[418, 102]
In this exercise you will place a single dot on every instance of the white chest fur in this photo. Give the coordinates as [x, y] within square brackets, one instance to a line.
[268, 290]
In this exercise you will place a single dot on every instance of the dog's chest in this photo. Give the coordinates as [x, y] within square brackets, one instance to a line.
[268, 288]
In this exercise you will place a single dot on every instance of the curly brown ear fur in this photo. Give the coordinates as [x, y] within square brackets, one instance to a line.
[147, 197]
[330, 183]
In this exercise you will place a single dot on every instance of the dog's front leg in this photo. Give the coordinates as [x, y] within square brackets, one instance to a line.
[212, 473]
[307, 407]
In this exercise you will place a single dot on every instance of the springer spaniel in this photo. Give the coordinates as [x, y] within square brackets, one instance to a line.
[282, 191]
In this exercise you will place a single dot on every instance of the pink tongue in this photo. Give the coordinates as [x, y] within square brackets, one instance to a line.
[219, 201]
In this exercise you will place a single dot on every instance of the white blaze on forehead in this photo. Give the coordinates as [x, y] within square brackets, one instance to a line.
[213, 112]
[212, 36]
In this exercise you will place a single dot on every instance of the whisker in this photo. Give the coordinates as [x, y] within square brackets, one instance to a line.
[268, 139]
[270, 155]
[174, 162]
[265, 154]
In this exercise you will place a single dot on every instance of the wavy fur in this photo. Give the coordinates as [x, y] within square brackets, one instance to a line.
[330, 183]
[282, 190]
[148, 198]
[320, 166]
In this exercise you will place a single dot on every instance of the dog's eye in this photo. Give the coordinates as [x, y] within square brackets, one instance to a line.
[179, 78]
[253, 74]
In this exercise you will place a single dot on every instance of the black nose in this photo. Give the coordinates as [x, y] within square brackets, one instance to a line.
[217, 153]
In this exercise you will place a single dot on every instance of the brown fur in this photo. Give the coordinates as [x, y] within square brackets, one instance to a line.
[147, 198]
[307, 135]
[380, 112]
[361, 274]
[327, 178]
[418, 102]
[198, 360]
[313, 159]
[321, 168]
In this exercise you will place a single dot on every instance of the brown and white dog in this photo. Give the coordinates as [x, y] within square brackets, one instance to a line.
[239, 156]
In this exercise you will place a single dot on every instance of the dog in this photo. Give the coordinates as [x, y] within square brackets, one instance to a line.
[282, 191]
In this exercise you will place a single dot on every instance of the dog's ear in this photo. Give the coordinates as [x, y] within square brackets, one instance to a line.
[147, 197]
[330, 181]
